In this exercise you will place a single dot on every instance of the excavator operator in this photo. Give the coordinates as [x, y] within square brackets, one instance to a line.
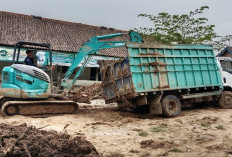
[29, 60]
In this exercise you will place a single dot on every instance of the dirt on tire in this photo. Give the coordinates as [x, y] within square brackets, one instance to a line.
[36, 142]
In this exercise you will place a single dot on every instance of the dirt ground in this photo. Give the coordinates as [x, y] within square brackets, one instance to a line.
[199, 131]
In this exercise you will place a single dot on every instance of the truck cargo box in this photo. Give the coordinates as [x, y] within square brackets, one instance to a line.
[152, 68]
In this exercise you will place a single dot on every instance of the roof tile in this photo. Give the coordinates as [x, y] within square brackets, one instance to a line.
[63, 36]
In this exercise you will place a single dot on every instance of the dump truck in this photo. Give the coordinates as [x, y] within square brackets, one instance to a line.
[167, 77]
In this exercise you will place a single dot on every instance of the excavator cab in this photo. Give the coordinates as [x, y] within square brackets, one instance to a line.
[25, 81]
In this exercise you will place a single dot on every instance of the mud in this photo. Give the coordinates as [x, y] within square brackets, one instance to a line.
[156, 54]
[42, 143]
[156, 145]
[87, 93]
[117, 82]
[106, 69]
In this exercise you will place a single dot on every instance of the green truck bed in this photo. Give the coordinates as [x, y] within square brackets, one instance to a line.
[150, 68]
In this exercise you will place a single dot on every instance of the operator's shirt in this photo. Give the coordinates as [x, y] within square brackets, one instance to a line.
[28, 61]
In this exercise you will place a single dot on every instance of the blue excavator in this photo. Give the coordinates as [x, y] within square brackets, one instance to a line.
[28, 90]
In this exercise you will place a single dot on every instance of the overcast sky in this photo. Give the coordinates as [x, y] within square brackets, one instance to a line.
[120, 14]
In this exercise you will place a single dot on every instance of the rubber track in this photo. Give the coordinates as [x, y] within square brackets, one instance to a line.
[41, 107]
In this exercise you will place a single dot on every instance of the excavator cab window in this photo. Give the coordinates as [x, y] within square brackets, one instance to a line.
[44, 46]
[21, 44]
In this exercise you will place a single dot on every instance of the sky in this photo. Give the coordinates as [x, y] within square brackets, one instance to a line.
[120, 14]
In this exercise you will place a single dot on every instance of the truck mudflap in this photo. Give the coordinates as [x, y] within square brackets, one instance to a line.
[117, 82]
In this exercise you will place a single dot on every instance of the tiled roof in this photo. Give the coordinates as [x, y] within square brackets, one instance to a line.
[63, 36]
[227, 49]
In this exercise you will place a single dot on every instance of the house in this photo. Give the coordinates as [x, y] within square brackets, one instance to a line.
[227, 52]
[65, 38]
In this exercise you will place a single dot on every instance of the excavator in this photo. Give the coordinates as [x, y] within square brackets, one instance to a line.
[28, 90]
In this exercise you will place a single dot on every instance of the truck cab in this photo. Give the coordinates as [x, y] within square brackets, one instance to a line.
[225, 64]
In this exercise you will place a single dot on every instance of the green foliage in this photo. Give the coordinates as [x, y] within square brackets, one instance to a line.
[221, 42]
[115, 154]
[178, 29]
[205, 124]
[220, 127]
[174, 149]
[159, 128]
[143, 134]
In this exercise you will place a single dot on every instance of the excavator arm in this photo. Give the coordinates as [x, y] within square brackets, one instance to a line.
[89, 48]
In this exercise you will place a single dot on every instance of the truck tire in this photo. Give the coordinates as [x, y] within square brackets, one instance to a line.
[225, 100]
[171, 106]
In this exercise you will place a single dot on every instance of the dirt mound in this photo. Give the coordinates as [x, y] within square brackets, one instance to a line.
[155, 145]
[28, 141]
[87, 93]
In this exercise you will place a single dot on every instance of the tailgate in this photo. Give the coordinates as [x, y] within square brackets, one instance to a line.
[117, 80]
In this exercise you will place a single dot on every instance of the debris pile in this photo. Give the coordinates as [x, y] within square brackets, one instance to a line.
[87, 93]
[29, 141]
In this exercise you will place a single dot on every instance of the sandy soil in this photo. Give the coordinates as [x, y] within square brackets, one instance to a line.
[198, 131]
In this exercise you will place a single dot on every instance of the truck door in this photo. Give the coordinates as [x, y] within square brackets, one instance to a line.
[226, 66]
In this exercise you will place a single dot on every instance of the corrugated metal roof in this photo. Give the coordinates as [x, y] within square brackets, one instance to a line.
[63, 36]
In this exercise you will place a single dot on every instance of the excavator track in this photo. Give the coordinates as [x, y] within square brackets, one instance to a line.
[33, 108]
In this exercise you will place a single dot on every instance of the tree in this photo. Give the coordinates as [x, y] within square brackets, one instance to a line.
[179, 29]
[221, 42]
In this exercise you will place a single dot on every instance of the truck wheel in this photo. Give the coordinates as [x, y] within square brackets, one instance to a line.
[225, 100]
[171, 106]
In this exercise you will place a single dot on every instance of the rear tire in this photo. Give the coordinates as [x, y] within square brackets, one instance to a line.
[225, 100]
[171, 106]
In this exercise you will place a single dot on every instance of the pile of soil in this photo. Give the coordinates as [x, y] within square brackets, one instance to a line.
[29, 141]
[87, 93]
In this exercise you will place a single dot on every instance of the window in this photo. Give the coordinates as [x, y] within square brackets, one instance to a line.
[226, 66]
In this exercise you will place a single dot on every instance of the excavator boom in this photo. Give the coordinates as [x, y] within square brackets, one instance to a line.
[92, 47]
